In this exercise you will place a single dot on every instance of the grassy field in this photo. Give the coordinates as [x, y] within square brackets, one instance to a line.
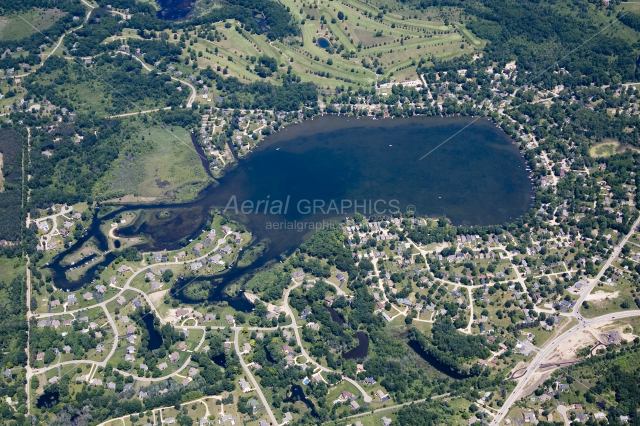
[11, 268]
[160, 163]
[604, 149]
[19, 26]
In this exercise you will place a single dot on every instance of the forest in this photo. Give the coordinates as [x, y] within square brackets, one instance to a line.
[11, 141]
[13, 325]
[291, 96]
[452, 348]
[518, 29]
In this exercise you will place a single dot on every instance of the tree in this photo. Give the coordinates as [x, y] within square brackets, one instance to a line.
[167, 275]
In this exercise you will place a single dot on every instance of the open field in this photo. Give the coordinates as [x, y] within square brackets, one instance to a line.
[14, 27]
[170, 167]
[608, 148]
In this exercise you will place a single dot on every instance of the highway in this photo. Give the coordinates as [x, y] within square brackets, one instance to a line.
[550, 346]
[548, 350]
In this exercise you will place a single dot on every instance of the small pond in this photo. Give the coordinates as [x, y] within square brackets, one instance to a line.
[360, 351]
[220, 360]
[335, 316]
[297, 394]
[48, 399]
[323, 42]
[155, 340]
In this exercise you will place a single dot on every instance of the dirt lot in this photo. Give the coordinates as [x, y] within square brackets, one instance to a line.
[157, 298]
[602, 295]
[567, 350]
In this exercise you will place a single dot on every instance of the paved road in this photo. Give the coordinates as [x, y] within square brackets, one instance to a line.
[128, 287]
[140, 112]
[366, 396]
[379, 410]
[547, 351]
[178, 371]
[254, 383]
[596, 279]
[191, 99]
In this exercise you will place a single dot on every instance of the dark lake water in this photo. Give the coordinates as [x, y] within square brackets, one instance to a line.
[174, 9]
[335, 316]
[155, 340]
[297, 394]
[360, 351]
[48, 399]
[320, 169]
[216, 293]
[220, 360]
[323, 42]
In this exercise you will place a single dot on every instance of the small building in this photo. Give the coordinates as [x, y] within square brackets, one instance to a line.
[195, 266]
[174, 357]
[354, 405]
[95, 382]
[244, 385]
[123, 269]
[162, 366]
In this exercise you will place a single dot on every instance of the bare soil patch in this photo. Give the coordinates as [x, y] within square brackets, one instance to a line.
[600, 295]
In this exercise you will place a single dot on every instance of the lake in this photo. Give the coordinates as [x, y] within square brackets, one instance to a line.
[332, 166]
